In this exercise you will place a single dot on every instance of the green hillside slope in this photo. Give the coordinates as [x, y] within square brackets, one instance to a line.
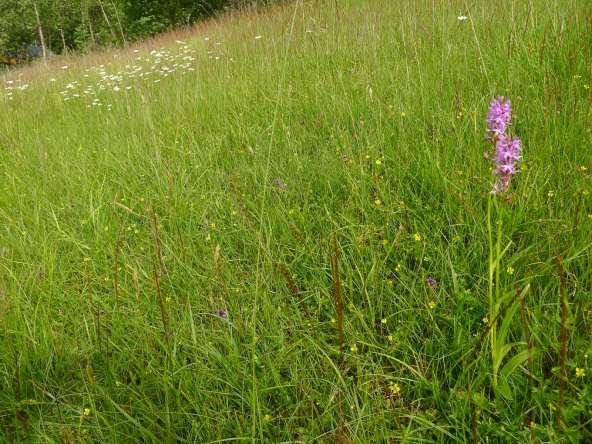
[280, 229]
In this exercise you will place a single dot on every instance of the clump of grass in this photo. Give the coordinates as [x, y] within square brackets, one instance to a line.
[336, 289]
[158, 269]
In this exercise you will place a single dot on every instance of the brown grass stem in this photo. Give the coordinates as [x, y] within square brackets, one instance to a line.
[562, 338]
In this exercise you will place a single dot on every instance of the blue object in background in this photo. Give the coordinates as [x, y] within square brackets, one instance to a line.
[35, 51]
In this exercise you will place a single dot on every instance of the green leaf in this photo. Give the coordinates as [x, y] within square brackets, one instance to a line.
[503, 387]
[513, 363]
[498, 356]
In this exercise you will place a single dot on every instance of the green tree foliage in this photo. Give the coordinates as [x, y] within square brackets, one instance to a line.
[17, 26]
[81, 25]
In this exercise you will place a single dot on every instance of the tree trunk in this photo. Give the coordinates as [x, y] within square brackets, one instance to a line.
[65, 48]
[107, 20]
[60, 13]
[84, 15]
[40, 29]
[119, 23]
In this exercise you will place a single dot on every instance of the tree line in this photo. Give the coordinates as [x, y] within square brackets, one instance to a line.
[31, 28]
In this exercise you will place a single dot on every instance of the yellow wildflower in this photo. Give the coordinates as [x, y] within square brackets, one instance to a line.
[383, 321]
[417, 237]
[580, 372]
[510, 270]
[353, 348]
[432, 305]
[395, 389]
[86, 411]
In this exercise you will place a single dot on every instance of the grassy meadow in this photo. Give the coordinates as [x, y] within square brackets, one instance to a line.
[226, 234]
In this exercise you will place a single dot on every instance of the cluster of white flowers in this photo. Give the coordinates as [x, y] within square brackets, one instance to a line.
[12, 87]
[153, 67]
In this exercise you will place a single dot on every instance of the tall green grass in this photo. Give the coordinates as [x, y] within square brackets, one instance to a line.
[124, 229]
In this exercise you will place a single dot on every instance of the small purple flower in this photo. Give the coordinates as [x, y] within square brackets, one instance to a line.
[222, 313]
[431, 282]
[498, 117]
[508, 151]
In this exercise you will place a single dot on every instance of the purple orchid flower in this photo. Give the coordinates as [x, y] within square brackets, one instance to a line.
[508, 150]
